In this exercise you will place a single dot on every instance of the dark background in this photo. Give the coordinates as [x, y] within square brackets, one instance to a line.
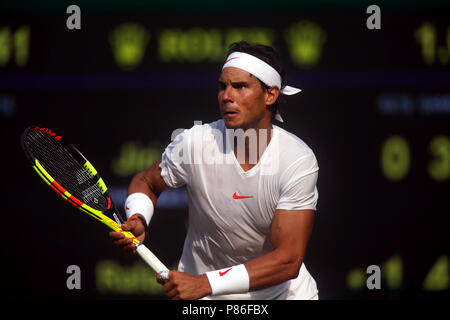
[366, 87]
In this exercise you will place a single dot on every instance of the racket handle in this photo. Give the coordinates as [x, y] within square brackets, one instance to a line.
[150, 258]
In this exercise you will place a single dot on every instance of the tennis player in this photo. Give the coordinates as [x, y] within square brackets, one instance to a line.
[250, 217]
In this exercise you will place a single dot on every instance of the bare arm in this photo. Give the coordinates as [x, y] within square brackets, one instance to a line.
[149, 182]
[291, 230]
[152, 184]
[290, 234]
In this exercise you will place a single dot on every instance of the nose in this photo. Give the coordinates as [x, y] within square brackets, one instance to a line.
[227, 94]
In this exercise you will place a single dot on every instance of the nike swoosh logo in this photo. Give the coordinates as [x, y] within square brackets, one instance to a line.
[231, 59]
[224, 272]
[126, 207]
[235, 196]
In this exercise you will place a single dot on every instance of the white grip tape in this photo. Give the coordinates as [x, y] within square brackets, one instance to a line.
[150, 258]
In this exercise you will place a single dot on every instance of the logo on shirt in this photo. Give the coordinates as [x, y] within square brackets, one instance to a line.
[235, 196]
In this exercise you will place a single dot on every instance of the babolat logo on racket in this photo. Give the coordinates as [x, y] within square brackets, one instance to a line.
[47, 131]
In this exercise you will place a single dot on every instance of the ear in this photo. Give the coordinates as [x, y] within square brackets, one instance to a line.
[271, 95]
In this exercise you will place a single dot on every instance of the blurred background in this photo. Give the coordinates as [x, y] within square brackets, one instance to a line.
[375, 108]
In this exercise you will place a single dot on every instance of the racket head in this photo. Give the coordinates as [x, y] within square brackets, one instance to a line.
[65, 169]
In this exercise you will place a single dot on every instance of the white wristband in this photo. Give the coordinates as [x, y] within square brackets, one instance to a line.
[229, 280]
[139, 203]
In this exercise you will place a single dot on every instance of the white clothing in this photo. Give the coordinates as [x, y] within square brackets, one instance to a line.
[231, 210]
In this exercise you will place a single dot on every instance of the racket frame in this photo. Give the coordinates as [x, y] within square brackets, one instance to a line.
[101, 216]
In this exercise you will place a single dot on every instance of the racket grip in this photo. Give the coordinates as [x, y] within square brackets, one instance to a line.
[150, 258]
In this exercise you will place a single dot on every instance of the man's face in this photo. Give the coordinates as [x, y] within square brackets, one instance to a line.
[242, 100]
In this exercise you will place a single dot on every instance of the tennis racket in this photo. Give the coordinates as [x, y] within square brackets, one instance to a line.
[75, 179]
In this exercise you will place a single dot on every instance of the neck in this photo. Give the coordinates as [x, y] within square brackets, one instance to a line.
[252, 143]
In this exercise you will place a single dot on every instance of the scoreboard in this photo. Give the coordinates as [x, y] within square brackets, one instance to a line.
[375, 109]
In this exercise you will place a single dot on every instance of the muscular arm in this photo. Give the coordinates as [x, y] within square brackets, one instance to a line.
[291, 230]
[290, 234]
[150, 183]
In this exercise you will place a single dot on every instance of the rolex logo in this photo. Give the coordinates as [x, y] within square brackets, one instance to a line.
[129, 42]
[305, 40]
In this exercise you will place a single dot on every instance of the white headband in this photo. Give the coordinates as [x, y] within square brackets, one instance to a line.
[263, 71]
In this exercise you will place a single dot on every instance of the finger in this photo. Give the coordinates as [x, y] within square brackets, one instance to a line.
[129, 225]
[168, 286]
[129, 246]
[173, 294]
[116, 235]
[130, 251]
[123, 242]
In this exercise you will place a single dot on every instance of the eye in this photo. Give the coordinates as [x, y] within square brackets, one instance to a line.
[239, 85]
[221, 86]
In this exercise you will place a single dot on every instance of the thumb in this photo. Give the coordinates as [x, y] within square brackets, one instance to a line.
[127, 226]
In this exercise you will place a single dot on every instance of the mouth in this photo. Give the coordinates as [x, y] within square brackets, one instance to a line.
[230, 114]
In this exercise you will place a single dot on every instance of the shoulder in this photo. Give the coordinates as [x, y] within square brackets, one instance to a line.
[199, 128]
[291, 145]
[204, 128]
[296, 157]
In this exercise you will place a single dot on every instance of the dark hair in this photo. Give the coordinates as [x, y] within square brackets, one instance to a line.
[266, 54]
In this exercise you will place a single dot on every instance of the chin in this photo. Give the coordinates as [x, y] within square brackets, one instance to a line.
[232, 124]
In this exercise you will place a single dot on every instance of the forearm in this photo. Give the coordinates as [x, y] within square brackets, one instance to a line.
[143, 192]
[148, 182]
[290, 234]
[141, 184]
[260, 273]
[271, 269]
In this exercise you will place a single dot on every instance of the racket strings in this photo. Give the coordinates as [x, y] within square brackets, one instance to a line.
[65, 169]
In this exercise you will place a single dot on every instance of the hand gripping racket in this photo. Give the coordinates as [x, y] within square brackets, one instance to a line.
[74, 178]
